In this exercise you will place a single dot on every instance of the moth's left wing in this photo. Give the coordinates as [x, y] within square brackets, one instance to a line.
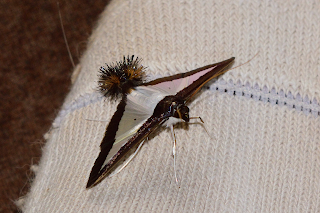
[189, 82]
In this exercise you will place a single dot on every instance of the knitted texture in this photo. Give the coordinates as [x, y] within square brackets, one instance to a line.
[262, 152]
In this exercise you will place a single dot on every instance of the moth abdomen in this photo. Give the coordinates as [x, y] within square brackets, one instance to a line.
[118, 79]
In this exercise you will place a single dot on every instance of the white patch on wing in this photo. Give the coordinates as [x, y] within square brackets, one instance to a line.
[139, 107]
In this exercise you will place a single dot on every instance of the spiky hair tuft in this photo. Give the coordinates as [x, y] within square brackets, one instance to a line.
[120, 78]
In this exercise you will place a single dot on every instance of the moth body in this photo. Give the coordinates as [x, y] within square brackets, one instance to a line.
[144, 107]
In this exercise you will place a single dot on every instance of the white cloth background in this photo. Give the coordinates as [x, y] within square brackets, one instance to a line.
[264, 154]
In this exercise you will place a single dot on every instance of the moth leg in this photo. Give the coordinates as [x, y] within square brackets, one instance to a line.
[198, 118]
[128, 160]
[202, 124]
[174, 152]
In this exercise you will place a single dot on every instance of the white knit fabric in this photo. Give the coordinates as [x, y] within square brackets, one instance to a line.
[263, 117]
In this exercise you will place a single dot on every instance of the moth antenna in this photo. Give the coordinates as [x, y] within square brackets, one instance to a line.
[242, 64]
[128, 160]
[202, 124]
[174, 153]
[65, 37]
[121, 78]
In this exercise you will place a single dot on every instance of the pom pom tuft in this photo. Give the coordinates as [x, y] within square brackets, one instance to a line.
[120, 78]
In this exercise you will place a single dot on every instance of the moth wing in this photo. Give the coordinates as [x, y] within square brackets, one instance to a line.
[132, 113]
[187, 84]
[103, 166]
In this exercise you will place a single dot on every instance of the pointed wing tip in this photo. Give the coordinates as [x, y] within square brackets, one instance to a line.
[228, 60]
[88, 186]
[225, 63]
[94, 179]
[91, 183]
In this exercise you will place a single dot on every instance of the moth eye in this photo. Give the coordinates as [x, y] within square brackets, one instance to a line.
[174, 103]
[135, 119]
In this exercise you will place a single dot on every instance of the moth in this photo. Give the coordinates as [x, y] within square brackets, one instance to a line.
[144, 107]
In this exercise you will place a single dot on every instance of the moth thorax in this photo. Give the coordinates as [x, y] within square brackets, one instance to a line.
[172, 106]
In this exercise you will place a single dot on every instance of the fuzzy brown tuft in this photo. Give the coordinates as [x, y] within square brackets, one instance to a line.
[118, 80]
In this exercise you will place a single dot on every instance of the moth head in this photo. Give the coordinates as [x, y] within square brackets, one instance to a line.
[120, 78]
[183, 112]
